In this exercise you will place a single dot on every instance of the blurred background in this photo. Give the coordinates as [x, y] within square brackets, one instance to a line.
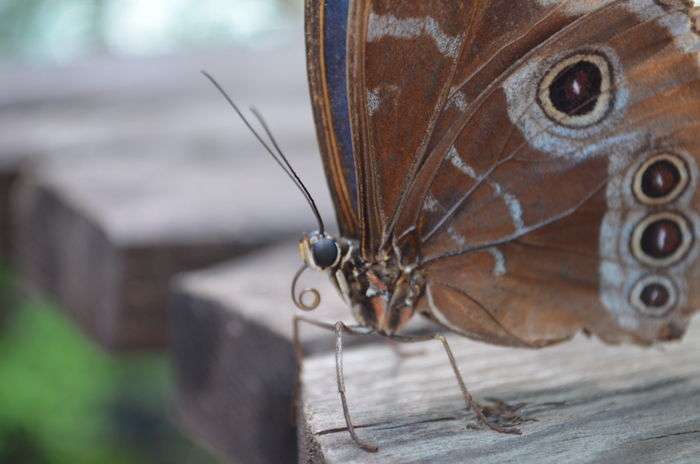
[103, 112]
[147, 243]
[54, 32]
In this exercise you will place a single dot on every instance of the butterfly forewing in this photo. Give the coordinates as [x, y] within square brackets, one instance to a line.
[326, 33]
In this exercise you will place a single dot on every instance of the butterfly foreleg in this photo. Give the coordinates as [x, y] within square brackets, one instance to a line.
[339, 328]
[353, 329]
[469, 400]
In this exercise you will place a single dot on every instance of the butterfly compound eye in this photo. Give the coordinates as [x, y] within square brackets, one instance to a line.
[577, 91]
[325, 252]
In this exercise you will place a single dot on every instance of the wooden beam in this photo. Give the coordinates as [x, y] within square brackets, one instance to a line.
[138, 106]
[129, 79]
[587, 403]
[105, 235]
[233, 356]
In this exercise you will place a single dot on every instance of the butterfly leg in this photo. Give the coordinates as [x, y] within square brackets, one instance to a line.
[468, 398]
[339, 328]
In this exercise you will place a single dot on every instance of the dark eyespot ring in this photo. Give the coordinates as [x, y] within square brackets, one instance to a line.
[577, 91]
[661, 179]
[654, 296]
[662, 239]
[325, 252]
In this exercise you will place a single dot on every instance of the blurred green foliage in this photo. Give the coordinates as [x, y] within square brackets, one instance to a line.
[62, 400]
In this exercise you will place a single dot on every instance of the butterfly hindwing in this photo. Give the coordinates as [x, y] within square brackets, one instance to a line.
[542, 172]
[533, 291]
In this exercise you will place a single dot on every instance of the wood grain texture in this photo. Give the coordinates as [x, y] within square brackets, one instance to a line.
[104, 235]
[233, 355]
[591, 403]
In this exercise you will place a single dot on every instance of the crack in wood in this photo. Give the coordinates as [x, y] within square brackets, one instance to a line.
[668, 435]
[390, 427]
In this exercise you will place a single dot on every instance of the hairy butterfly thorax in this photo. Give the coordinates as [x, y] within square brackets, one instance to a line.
[382, 293]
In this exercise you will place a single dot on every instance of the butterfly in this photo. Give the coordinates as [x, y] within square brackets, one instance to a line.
[518, 172]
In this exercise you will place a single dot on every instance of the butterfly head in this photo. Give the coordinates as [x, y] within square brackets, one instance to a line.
[320, 251]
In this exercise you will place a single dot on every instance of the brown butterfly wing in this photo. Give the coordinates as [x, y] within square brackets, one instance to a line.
[409, 63]
[403, 57]
[533, 291]
[529, 239]
[506, 156]
[456, 154]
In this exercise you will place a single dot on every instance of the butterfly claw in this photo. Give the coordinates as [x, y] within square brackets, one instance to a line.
[482, 421]
[501, 417]
[365, 445]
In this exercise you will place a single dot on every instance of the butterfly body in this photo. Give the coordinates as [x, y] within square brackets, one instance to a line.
[381, 293]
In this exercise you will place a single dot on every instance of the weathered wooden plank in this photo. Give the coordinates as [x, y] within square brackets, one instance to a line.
[139, 106]
[592, 403]
[183, 124]
[171, 76]
[151, 100]
[233, 355]
[104, 235]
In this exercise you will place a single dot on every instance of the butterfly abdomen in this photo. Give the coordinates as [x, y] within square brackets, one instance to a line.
[383, 294]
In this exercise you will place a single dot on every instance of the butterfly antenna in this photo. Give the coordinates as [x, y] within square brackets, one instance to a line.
[281, 155]
[281, 160]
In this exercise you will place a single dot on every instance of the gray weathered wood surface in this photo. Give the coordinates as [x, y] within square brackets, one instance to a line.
[137, 106]
[592, 404]
[233, 355]
[105, 235]
[170, 76]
